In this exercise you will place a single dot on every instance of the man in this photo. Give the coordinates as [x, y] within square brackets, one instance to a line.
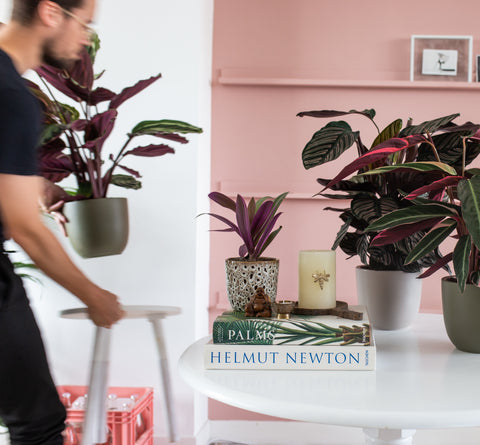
[54, 32]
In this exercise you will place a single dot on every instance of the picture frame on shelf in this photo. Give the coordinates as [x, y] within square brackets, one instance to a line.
[477, 66]
[441, 58]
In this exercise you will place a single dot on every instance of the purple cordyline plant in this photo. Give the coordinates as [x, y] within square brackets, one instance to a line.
[254, 222]
[72, 141]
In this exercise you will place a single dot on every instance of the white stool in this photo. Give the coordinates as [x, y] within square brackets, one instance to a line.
[94, 431]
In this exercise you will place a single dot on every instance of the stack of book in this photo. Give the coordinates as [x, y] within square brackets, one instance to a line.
[320, 342]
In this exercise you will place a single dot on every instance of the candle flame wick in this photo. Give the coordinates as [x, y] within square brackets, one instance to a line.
[320, 278]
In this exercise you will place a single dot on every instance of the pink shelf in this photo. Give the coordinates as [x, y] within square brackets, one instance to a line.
[249, 78]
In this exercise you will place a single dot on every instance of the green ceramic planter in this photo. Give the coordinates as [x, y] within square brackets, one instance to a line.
[97, 227]
[461, 313]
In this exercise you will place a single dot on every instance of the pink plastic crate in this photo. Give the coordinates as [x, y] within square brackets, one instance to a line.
[122, 422]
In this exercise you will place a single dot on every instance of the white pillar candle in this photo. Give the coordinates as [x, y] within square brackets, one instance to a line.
[316, 279]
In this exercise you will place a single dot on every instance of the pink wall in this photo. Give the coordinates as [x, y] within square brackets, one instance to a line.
[257, 139]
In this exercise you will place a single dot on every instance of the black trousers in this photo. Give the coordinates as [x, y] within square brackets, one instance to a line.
[29, 403]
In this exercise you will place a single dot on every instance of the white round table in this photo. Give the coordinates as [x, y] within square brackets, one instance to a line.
[421, 381]
[95, 415]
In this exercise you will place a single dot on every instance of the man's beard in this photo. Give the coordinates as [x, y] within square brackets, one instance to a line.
[50, 58]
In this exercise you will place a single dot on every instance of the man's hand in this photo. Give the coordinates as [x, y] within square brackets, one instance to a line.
[105, 310]
[52, 199]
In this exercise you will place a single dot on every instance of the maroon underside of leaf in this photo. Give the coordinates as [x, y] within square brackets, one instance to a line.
[151, 150]
[243, 222]
[172, 137]
[98, 130]
[77, 90]
[129, 92]
[264, 238]
[82, 70]
[262, 215]
[438, 265]
[395, 234]
[435, 186]
[223, 200]
[133, 172]
[99, 95]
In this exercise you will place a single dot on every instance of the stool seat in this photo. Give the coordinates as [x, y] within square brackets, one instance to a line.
[131, 312]
[95, 415]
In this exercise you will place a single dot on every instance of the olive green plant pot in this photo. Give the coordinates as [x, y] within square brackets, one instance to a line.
[461, 313]
[97, 227]
[244, 277]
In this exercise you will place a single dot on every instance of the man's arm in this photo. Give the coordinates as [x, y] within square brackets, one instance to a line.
[19, 197]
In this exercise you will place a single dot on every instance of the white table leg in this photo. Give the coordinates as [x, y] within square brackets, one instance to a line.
[94, 429]
[384, 436]
[165, 377]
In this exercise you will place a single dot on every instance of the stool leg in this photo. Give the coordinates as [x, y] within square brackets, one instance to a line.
[165, 376]
[94, 429]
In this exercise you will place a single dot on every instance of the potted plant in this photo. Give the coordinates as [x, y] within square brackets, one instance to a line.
[72, 144]
[403, 163]
[451, 204]
[254, 224]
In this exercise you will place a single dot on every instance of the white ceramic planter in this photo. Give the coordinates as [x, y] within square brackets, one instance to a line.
[392, 297]
[4, 437]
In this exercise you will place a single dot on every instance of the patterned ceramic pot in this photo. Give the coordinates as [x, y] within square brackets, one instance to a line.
[244, 277]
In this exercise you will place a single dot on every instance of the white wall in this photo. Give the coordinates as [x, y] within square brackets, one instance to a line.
[166, 260]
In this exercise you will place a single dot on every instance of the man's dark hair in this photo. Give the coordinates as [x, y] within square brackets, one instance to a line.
[24, 10]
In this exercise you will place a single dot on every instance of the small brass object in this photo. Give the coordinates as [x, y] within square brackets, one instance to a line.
[284, 309]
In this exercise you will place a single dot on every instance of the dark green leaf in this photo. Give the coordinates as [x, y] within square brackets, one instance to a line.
[410, 215]
[349, 243]
[49, 132]
[369, 208]
[431, 241]
[389, 132]
[370, 113]
[341, 233]
[428, 126]
[164, 126]
[362, 247]
[126, 181]
[328, 144]
[469, 195]
[461, 256]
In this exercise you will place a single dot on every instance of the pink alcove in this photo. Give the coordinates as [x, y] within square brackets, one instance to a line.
[274, 58]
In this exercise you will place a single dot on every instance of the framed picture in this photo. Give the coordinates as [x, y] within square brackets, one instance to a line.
[478, 68]
[444, 58]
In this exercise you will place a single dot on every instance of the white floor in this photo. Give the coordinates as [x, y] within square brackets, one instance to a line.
[298, 433]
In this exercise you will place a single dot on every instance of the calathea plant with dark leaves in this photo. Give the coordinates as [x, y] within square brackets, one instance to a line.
[254, 223]
[404, 158]
[73, 138]
[451, 205]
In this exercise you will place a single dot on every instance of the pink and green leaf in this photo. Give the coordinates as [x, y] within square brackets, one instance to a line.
[379, 153]
[438, 185]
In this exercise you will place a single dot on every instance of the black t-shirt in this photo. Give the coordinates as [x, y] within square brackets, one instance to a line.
[20, 123]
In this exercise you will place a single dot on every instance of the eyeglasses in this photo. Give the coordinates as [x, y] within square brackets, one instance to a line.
[87, 28]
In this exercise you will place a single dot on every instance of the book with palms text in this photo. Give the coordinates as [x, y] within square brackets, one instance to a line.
[303, 342]
[314, 330]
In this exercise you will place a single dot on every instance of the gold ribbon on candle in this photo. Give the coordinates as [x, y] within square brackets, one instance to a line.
[320, 278]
